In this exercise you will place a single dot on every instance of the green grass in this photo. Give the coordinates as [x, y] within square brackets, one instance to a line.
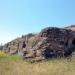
[14, 65]
[7, 57]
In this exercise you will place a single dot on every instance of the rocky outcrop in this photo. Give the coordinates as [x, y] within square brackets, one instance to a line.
[72, 27]
[50, 42]
[18, 44]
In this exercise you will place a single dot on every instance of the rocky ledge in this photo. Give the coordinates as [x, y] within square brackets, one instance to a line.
[50, 42]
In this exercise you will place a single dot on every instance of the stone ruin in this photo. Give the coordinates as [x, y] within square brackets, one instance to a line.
[50, 42]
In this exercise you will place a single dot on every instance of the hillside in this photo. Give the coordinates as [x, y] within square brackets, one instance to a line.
[42, 45]
[55, 45]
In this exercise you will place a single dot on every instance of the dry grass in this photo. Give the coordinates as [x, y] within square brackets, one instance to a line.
[14, 65]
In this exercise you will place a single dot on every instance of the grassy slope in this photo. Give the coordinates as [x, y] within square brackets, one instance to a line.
[14, 65]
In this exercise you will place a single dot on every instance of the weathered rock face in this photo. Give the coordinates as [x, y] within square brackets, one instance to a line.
[18, 44]
[58, 41]
[50, 42]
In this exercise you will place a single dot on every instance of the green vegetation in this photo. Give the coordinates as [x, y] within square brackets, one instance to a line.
[14, 65]
[7, 57]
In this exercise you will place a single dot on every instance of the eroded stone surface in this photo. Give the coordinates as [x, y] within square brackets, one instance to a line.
[50, 42]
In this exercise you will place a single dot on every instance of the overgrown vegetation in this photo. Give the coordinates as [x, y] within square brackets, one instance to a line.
[14, 65]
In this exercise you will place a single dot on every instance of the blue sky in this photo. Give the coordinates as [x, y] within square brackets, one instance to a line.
[18, 17]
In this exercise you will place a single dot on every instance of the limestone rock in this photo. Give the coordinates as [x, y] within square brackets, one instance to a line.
[50, 42]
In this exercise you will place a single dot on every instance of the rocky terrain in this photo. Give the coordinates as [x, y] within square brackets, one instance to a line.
[50, 42]
[72, 27]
